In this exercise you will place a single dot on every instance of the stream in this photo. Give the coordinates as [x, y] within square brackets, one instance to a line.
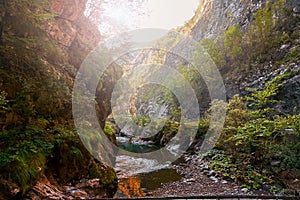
[138, 176]
[189, 175]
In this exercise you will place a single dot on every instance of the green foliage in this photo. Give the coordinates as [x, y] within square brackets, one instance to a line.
[237, 115]
[108, 176]
[213, 50]
[254, 138]
[232, 42]
[265, 31]
[168, 131]
[261, 99]
[203, 126]
[109, 130]
[32, 11]
[294, 55]
[27, 153]
[3, 101]
[237, 48]
[33, 85]
[221, 162]
[254, 135]
[170, 128]
[36, 98]
[142, 121]
[21, 158]
[190, 73]
[165, 96]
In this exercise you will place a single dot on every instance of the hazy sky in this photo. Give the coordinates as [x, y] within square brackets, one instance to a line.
[169, 14]
[163, 14]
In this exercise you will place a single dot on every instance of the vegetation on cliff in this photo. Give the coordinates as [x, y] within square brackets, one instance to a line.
[42, 46]
[37, 135]
[259, 145]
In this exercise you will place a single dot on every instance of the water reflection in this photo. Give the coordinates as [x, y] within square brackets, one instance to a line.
[130, 187]
[138, 185]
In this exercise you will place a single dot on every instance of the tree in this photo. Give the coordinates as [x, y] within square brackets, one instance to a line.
[232, 42]
[263, 33]
[207, 46]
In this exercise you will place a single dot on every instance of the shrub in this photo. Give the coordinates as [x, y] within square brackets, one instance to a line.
[257, 145]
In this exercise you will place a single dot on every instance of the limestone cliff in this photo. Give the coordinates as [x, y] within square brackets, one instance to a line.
[213, 18]
[72, 30]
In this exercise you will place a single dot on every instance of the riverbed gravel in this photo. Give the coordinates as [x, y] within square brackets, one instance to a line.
[199, 179]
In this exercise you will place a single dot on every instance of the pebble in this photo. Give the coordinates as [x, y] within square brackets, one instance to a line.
[224, 182]
[245, 190]
[213, 178]
[211, 173]
[190, 180]
[275, 163]
[206, 167]
[296, 181]
[233, 169]
[78, 193]
[235, 191]
[296, 9]
[284, 46]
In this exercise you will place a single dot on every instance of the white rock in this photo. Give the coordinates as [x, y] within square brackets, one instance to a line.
[245, 190]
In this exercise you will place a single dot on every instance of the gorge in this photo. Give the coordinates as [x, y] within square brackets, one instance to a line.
[254, 45]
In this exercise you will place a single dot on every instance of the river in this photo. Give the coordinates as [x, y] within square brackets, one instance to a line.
[139, 176]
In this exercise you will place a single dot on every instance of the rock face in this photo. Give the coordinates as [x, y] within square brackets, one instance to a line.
[72, 30]
[70, 10]
[287, 96]
[77, 36]
[213, 18]
[72, 37]
[217, 16]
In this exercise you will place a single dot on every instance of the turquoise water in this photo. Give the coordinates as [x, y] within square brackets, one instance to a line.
[138, 176]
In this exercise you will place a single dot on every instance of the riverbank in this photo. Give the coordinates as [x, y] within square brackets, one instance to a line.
[199, 179]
